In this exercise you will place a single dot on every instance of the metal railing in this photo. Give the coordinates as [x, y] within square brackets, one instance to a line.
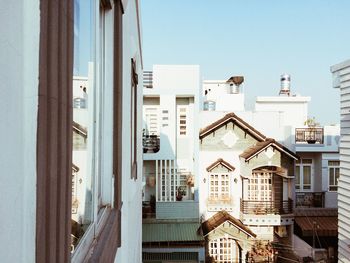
[151, 143]
[309, 135]
[309, 199]
[266, 207]
[148, 79]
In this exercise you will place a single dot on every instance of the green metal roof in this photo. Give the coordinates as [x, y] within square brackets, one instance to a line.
[169, 232]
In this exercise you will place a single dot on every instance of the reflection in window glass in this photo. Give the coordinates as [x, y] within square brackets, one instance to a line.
[82, 140]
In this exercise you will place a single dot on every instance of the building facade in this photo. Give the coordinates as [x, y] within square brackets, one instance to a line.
[170, 160]
[341, 73]
[72, 143]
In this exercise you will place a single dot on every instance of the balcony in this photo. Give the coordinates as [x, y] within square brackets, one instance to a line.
[151, 143]
[266, 207]
[309, 135]
[310, 199]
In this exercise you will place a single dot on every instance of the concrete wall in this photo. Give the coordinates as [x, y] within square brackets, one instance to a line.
[130, 250]
[19, 60]
[177, 210]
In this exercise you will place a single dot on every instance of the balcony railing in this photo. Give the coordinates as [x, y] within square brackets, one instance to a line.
[150, 143]
[309, 199]
[266, 207]
[148, 79]
[309, 135]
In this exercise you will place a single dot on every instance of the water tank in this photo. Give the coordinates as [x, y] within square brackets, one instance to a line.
[285, 84]
[235, 83]
[209, 105]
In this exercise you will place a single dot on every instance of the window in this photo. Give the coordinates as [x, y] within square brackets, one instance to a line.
[303, 173]
[151, 120]
[219, 186]
[333, 175]
[224, 250]
[133, 123]
[260, 186]
[182, 120]
[92, 124]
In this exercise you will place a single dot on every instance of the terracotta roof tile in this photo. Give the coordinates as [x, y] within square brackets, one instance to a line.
[221, 217]
[231, 117]
[220, 161]
[260, 146]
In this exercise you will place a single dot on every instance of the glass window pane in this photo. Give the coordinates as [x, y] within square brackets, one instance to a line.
[83, 89]
[307, 175]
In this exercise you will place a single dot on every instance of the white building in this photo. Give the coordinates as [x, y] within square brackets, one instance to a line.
[170, 144]
[341, 77]
[38, 127]
[313, 184]
[316, 173]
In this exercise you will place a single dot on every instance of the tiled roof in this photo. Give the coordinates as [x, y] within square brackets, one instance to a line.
[326, 220]
[220, 161]
[231, 117]
[324, 225]
[221, 217]
[260, 146]
[171, 232]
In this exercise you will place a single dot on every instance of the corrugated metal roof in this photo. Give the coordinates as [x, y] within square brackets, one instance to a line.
[325, 225]
[169, 232]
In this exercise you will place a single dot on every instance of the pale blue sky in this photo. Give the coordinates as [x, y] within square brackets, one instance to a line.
[260, 39]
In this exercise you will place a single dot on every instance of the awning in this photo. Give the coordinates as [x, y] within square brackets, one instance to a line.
[170, 232]
[324, 225]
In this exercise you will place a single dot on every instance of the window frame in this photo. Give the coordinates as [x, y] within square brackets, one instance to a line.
[178, 120]
[133, 119]
[218, 244]
[299, 166]
[336, 180]
[221, 194]
[255, 181]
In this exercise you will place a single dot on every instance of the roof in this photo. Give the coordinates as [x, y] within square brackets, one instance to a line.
[231, 117]
[326, 220]
[220, 161]
[170, 232]
[324, 225]
[260, 146]
[220, 218]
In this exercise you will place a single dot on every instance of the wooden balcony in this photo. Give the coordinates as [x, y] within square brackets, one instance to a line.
[309, 199]
[266, 207]
[309, 135]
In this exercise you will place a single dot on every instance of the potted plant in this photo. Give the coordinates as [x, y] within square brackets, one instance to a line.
[190, 180]
[180, 193]
[310, 135]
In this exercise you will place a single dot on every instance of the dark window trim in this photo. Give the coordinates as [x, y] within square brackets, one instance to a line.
[133, 123]
[54, 132]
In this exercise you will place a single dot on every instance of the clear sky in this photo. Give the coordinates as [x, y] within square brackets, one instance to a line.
[260, 39]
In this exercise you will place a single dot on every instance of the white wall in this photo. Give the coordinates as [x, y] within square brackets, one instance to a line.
[131, 245]
[295, 108]
[19, 60]
[220, 92]
[341, 77]
[167, 80]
